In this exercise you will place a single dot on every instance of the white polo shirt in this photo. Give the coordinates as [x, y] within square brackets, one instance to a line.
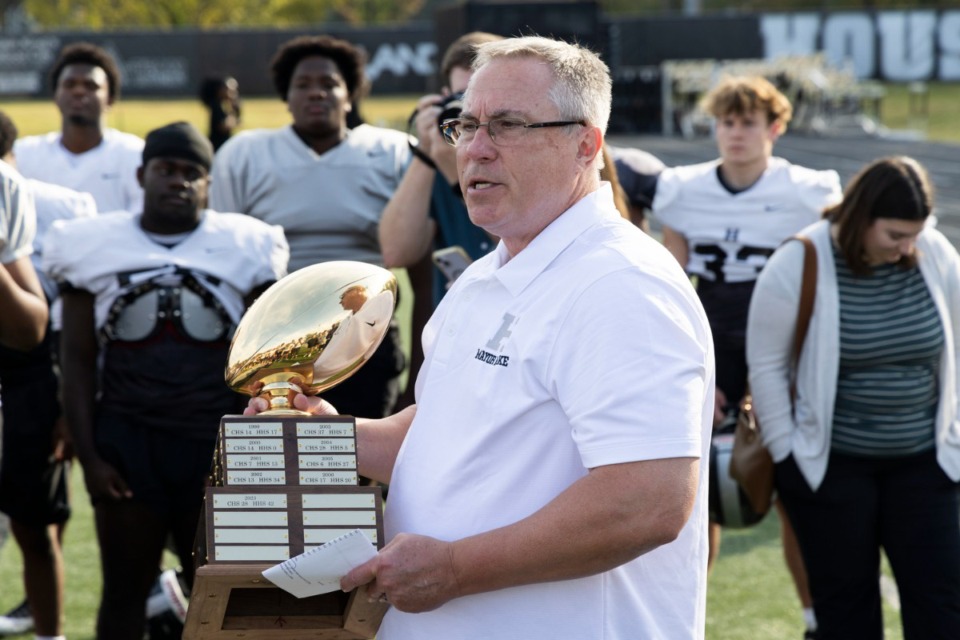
[588, 348]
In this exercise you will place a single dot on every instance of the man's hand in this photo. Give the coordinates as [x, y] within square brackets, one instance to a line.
[310, 404]
[62, 440]
[431, 140]
[719, 407]
[413, 573]
[104, 482]
[428, 133]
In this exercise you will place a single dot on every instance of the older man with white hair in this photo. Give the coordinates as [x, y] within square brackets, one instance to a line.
[550, 481]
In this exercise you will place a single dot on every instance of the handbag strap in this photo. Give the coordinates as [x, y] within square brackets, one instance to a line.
[808, 291]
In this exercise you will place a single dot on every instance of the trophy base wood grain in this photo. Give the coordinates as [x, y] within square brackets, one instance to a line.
[230, 602]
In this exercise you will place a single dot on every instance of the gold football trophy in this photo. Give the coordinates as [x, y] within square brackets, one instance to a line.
[283, 481]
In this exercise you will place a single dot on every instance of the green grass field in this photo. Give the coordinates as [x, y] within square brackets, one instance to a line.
[139, 116]
[750, 594]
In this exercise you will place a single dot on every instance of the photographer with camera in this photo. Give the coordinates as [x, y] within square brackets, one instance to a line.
[426, 211]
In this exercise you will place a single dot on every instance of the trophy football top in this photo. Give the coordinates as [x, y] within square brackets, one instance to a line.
[311, 330]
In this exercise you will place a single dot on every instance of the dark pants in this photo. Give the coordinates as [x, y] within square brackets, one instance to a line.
[907, 506]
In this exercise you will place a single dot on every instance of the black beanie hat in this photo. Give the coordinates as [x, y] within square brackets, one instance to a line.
[178, 140]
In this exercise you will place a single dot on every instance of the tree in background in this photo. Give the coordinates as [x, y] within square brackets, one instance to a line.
[109, 14]
[361, 12]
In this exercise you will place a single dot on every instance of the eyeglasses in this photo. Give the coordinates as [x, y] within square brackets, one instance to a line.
[503, 131]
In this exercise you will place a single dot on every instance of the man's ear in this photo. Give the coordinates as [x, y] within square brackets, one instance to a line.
[776, 130]
[140, 176]
[591, 143]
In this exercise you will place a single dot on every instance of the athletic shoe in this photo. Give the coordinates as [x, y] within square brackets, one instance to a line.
[17, 621]
[810, 634]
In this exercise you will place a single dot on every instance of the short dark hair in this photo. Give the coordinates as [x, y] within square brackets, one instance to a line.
[350, 60]
[463, 51]
[87, 53]
[8, 134]
[897, 187]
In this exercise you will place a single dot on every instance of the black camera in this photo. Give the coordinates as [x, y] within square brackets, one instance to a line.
[450, 107]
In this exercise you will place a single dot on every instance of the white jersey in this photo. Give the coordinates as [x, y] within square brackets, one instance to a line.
[18, 222]
[53, 203]
[110, 254]
[731, 235]
[329, 205]
[108, 172]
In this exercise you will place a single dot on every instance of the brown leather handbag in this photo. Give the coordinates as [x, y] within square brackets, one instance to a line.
[750, 462]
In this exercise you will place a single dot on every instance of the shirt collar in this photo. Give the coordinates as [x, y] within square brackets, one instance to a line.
[519, 271]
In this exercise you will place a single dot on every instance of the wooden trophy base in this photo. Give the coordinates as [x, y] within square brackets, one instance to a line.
[280, 486]
[230, 601]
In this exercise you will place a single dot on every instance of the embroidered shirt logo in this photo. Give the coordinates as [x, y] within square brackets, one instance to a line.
[492, 358]
[496, 344]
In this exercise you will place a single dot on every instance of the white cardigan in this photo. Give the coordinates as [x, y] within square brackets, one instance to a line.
[770, 334]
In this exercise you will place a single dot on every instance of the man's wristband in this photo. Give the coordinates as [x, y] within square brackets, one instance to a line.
[420, 155]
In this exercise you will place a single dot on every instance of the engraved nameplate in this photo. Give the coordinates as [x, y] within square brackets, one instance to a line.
[253, 429]
[328, 477]
[325, 445]
[250, 501]
[254, 445]
[328, 462]
[256, 477]
[325, 429]
[244, 461]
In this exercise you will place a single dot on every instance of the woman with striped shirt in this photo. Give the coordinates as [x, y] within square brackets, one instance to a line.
[869, 457]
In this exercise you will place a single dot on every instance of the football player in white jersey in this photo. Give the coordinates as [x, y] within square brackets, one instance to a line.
[37, 463]
[324, 183]
[723, 219]
[86, 155]
[150, 302]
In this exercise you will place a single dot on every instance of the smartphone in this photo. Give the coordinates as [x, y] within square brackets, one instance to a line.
[452, 261]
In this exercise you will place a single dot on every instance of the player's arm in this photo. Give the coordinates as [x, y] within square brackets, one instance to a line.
[78, 358]
[406, 230]
[676, 244]
[23, 320]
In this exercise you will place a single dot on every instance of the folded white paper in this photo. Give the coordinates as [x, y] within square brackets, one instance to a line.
[320, 569]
